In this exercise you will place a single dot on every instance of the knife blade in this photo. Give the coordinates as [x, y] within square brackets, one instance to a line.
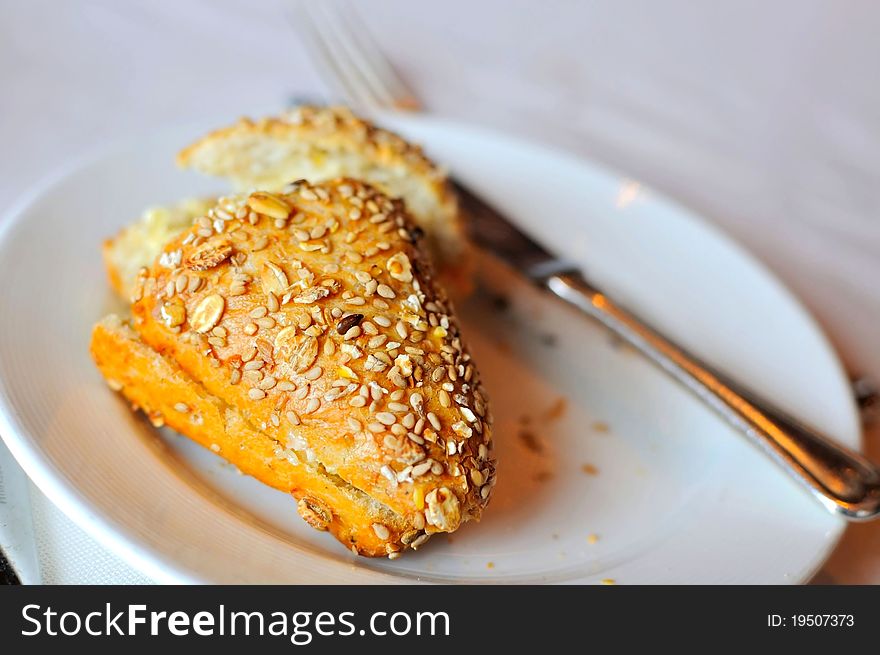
[841, 479]
[491, 230]
[17, 542]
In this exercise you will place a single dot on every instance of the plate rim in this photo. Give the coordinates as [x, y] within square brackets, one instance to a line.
[164, 569]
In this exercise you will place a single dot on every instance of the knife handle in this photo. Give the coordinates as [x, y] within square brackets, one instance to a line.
[841, 479]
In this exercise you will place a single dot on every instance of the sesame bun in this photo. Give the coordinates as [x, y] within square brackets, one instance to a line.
[302, 336]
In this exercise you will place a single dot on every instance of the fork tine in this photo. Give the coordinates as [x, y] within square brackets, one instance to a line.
[376, 62]
[345, 34]
[324, 50]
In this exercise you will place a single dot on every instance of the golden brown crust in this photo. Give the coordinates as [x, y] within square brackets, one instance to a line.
[315, 315]
[168, 396]
[138, 244]
[321, 143]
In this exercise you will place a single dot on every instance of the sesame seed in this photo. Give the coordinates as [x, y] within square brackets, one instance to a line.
[256, 394]
[386, 418]
[397, 407]
[420, 541]
[312, 405]
[385, 291]
[381, 531]
[181, 282]
[422, 468]
[313, 373]
[266, 322]
[292, 418]
[267, 383]
[183, 408]
[434, 421]
[377, 341]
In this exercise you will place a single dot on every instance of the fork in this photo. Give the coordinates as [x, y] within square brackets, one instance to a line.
[841, 479]
[347, 54]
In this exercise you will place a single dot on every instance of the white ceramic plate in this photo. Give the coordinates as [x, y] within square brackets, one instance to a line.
[668, 492]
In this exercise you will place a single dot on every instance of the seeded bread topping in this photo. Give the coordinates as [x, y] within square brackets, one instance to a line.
[313, 315]
[313, 143]
[323, 143]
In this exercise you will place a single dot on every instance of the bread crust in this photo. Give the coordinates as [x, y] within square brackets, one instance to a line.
[315, 317]
[320, 143]
[168, 396]
[139, 243]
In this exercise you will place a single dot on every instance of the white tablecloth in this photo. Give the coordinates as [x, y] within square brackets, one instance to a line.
[764, 117]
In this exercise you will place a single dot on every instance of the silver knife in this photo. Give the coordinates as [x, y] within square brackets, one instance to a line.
[17, 542]
[841, 479]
